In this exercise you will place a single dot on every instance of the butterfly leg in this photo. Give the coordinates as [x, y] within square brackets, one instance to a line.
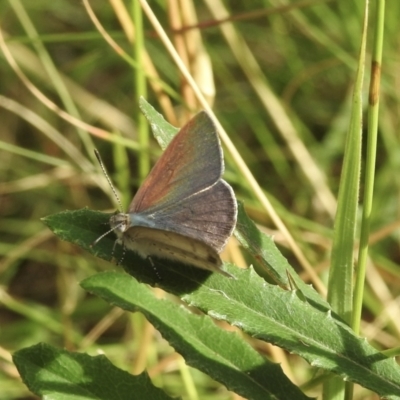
[119, 262]
[154, 267]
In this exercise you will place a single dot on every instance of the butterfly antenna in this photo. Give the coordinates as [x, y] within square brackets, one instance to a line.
[105, 234]
[101, 237]
[97, 154]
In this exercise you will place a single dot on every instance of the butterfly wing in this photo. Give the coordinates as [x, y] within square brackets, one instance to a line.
[208, 216]
[184, 192]
[149, 242]
[192, 162]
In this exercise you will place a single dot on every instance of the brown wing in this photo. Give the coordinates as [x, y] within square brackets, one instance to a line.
[192, 162]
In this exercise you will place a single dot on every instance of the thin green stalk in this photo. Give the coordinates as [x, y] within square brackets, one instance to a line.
[394, 352]
[122, 173]
[33, 155]
[340, 285]
[141, 90]
[188, 381]
[370, 164]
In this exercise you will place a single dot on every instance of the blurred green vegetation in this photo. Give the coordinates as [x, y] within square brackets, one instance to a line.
[307, 54]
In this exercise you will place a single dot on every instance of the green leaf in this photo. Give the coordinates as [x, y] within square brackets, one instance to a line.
[82, 227]
[269, 313]
[60, 374]
[264, 311]
[264, 250]
[162, 130]
[223, 355]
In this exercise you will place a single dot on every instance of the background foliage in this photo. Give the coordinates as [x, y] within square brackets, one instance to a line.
[307, 55]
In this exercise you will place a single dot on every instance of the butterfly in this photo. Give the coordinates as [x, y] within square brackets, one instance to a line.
[183, 210]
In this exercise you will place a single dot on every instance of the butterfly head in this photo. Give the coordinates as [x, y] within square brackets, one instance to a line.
[120, 223]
